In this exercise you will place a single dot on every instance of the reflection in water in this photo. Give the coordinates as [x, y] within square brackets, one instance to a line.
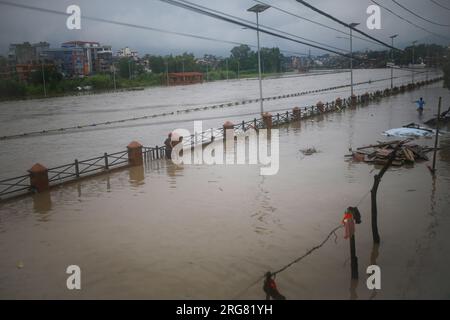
[373, 261]
[42, 204]
[265, 212]
[353, 288]
[173, 171]
[136, 175]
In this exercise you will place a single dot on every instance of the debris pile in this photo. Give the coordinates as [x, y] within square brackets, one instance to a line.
[379, 153]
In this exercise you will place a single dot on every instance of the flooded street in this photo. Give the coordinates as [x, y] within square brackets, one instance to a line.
[17, 117]
[209, 232]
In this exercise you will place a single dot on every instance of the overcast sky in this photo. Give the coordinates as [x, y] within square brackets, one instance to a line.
[19, 25]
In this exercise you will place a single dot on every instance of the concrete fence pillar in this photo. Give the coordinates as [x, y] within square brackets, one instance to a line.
[39, 177]
[227, 126]
[267, 119]
[320, 107]
[297, 113]
[135, 153]
[354, 100]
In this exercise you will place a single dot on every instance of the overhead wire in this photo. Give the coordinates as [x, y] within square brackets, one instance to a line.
[440, 5]
[261, 25]
[315, 22]
[234, 21]
[420, 17]
[408, 21]
[306, 4]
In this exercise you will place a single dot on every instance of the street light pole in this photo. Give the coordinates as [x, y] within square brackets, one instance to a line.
[392, 60]
[43, 77]
[227, 67]
[413, 62]
[351, 25]
[129, 69]
[167, 73]
[259, 67]
[114, 76]
[257, 9]
[238, 65]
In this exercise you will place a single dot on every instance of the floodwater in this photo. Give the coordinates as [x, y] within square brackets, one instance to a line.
[209, 232]
[17, 117]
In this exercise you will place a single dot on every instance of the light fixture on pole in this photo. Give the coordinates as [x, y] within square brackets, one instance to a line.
[258, 9]
[392, 60]
[351, 25]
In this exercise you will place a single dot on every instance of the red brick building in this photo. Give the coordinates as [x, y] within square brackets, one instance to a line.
[182, 78]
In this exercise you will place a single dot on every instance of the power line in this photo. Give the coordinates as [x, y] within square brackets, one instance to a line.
[420, 17]
[219, 17]
[315, 22]
[440, 5]
[408, 21]
[261, 25]
[345, 24]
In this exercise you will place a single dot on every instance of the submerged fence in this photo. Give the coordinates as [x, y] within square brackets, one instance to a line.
[39, 178]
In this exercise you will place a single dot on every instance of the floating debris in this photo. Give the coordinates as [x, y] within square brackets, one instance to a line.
[444, 118]
[308, 151]
[379, 153]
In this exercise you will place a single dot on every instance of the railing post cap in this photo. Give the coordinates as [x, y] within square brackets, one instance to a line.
[228, 124]
[37, 168]
[134, 145]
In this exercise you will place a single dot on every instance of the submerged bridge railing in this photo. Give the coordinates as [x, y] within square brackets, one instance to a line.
[40, 178]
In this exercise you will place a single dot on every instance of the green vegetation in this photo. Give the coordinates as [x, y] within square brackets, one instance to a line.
[242, 62]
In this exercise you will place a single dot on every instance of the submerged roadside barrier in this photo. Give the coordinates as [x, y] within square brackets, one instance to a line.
[181, 111]
[40, 179]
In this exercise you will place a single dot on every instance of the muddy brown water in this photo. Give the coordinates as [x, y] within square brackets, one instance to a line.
[51, 150]
[208, 232]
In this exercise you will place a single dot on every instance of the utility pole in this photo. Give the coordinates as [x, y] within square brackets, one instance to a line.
[238, 67]
[226, 61]
[351, 25]
[43, 78]
[129, 69]
[392, 60]
[257, 9]
[413, 60]
[114, 76]
[167, 72]
[437, 136]
[184, 78]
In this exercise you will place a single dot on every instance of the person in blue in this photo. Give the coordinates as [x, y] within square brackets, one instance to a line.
[420, 104]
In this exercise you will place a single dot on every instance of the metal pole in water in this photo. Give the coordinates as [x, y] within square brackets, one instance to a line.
[437, 136]
[353, 257]
[259, 66]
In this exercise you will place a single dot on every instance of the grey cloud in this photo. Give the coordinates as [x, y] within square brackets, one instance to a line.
[20, 25]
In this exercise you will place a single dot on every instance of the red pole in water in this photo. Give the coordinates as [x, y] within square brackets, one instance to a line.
[437, 136]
